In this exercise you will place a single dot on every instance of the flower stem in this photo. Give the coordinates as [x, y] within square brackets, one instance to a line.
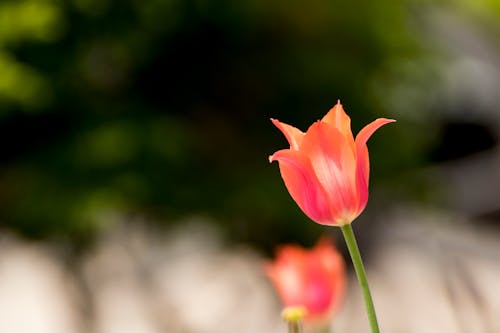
[294, 326]
[293, 316]
[361, 274]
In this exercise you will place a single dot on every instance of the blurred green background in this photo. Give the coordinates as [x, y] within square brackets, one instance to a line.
[160, 108]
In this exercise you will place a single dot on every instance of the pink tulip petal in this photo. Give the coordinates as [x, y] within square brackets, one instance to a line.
[363, 160]
[334, 165]
[333, 263]
[288, 274]
[341, 121]
[302, 184]
[293, 135]
[320, 287]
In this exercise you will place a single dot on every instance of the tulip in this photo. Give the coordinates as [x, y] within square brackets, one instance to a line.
[325, 170]
[310, 279]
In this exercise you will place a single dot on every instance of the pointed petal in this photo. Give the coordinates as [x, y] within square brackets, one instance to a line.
[334, 165]
[293, 135]
[363, 160]
[369, 129]
[341, 121]
[302, 184]
[362, 177]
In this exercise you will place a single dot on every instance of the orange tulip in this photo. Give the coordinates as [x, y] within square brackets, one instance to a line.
[310, 279]
[325, 170]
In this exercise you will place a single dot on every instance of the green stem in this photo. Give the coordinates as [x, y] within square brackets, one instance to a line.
[361, 274]
[294, 326]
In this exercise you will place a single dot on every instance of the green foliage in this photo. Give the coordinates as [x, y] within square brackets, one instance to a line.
[20, 22]
[161, 107]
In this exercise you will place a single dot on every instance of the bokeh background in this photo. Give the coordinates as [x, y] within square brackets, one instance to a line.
[132, 124]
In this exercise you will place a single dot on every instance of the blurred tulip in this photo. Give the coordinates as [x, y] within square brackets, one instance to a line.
[311, 279]
[325, 170]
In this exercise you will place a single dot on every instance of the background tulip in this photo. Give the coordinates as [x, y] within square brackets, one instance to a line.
[313, 279]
